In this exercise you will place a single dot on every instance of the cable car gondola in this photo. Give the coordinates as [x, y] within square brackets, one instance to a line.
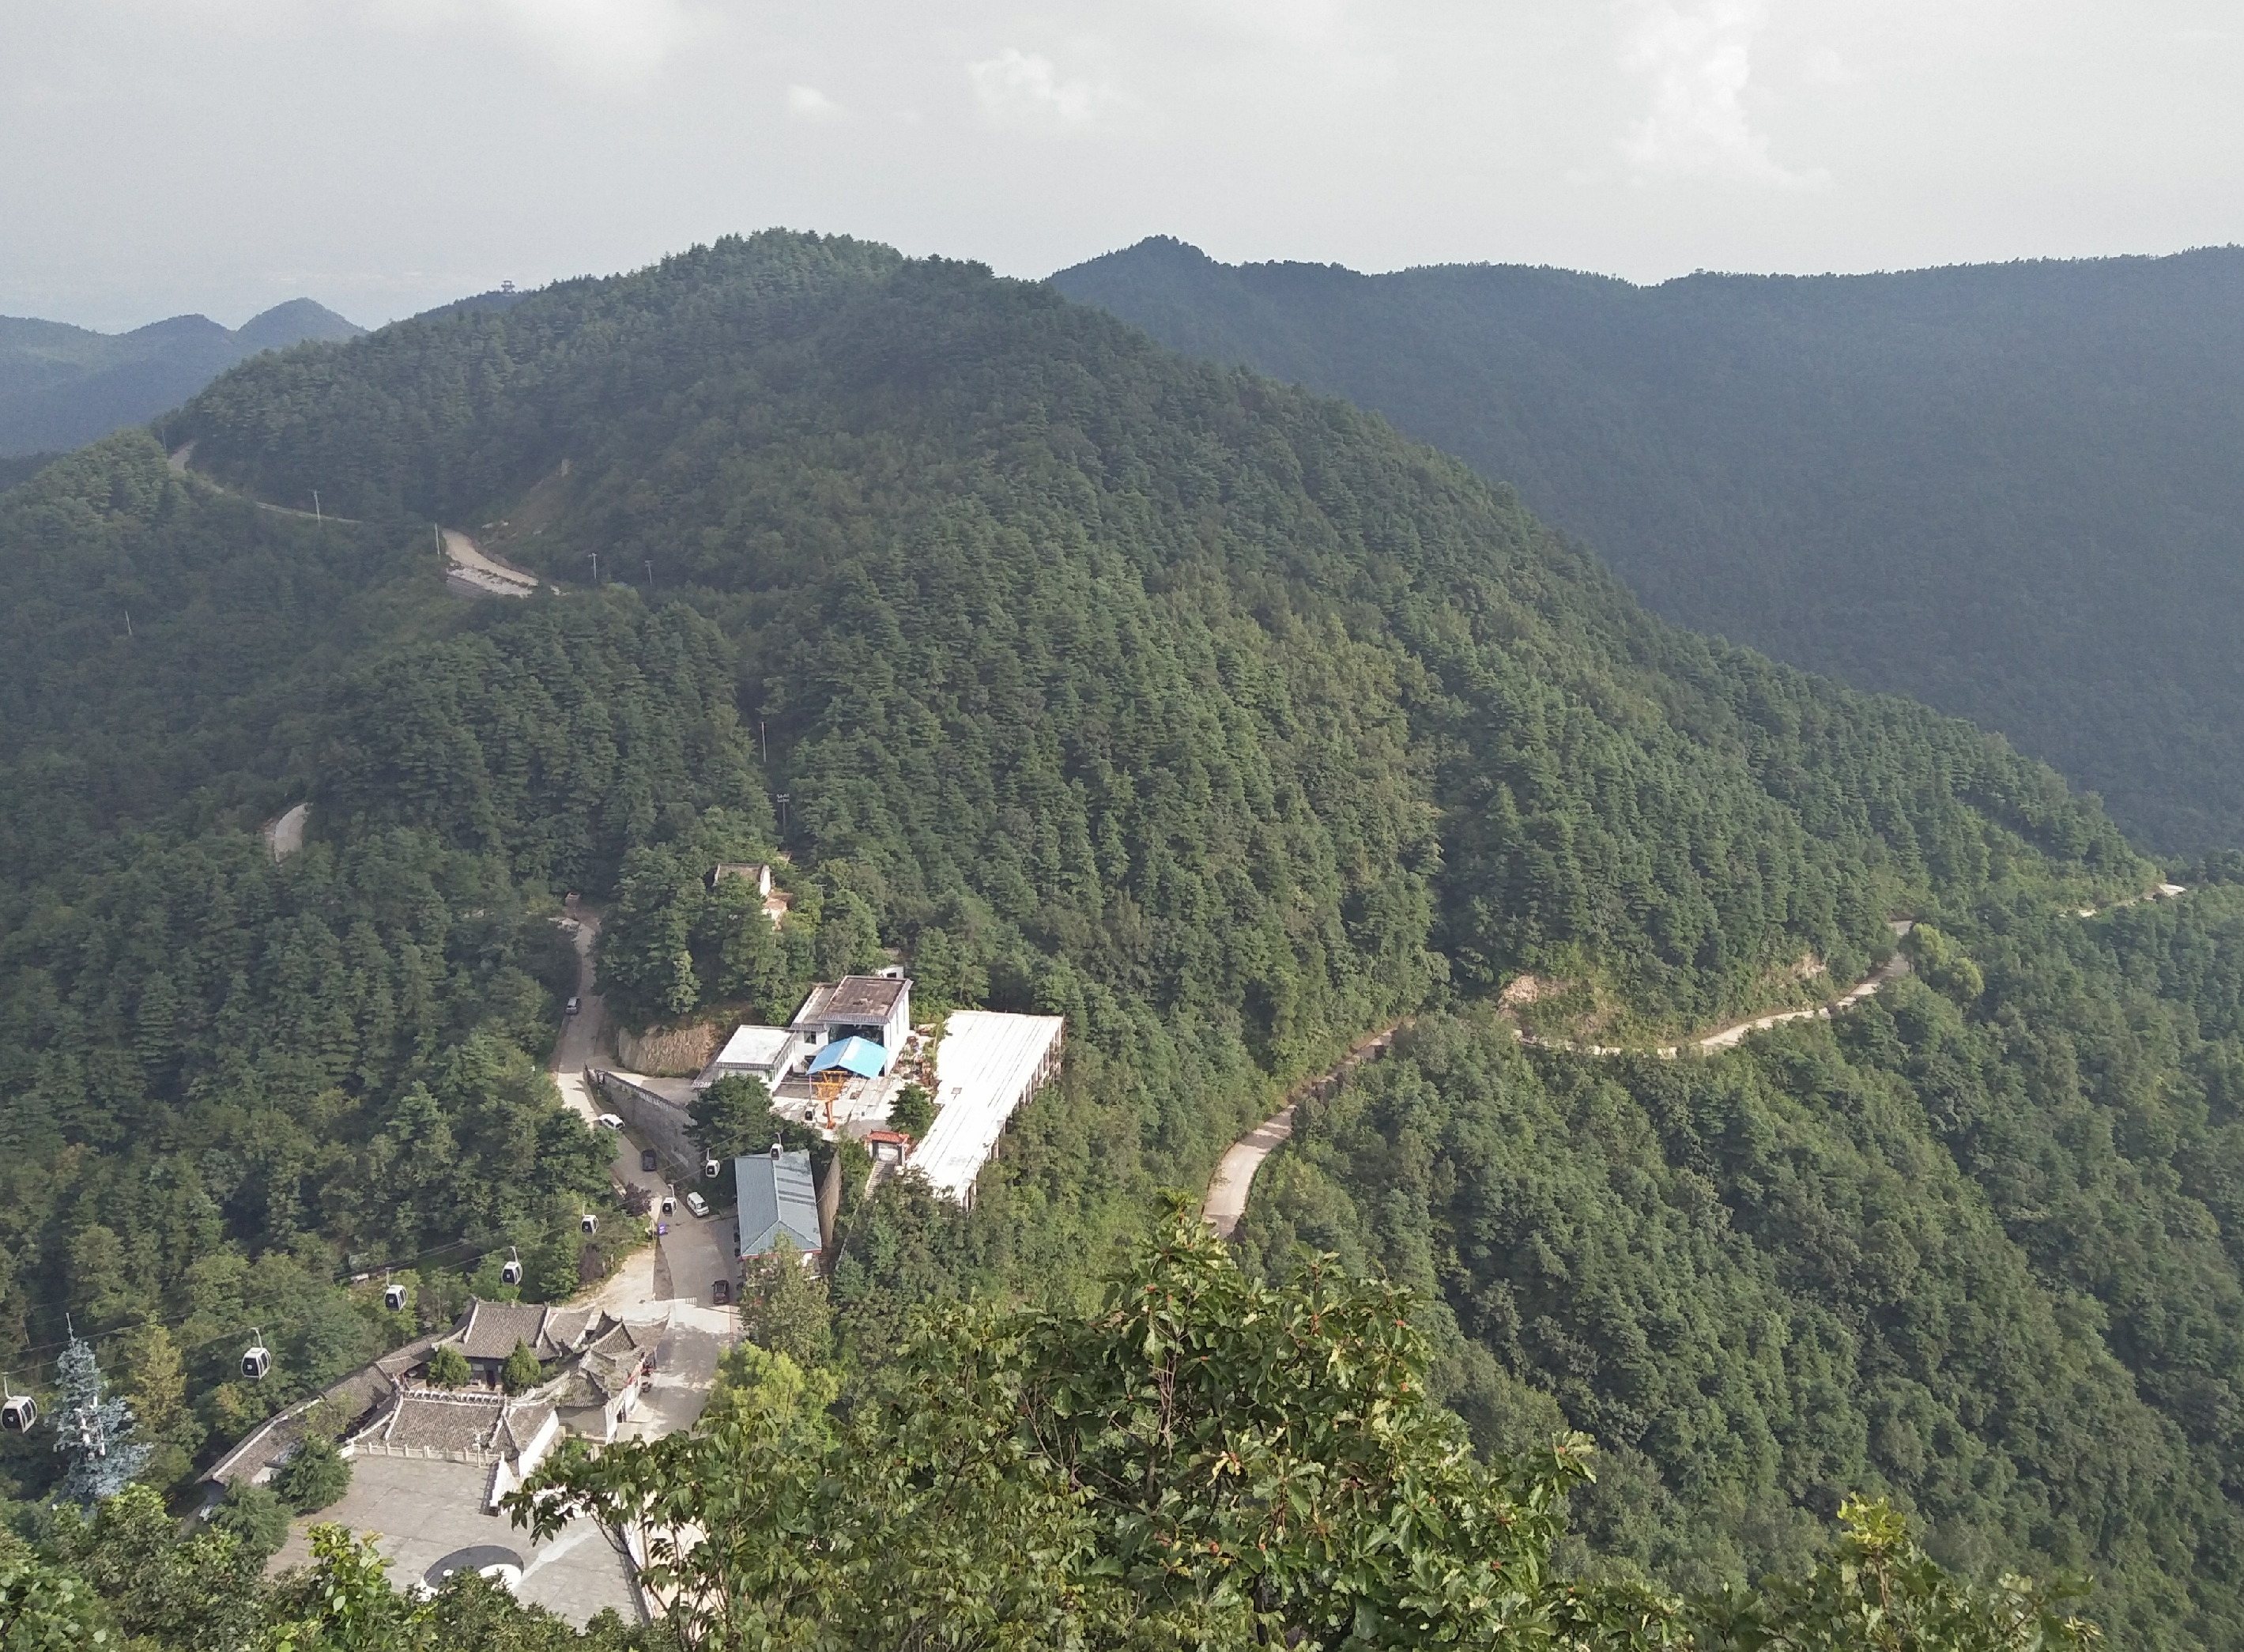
[709, 1168]
[393, 1297]
[19, 1412]
[510, 1272]
[257, 1358]
[588, 1223]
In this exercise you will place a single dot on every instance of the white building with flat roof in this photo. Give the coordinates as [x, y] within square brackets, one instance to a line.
[877, 1008]
[987, 1065]
[766, 1053]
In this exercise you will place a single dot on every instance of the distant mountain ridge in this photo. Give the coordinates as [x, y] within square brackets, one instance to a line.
[2010, 490]
[63, 386]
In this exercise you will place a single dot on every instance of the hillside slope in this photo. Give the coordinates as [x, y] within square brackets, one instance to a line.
[2008, 491]
[63, 386]
[914, 484]
[1215, 716]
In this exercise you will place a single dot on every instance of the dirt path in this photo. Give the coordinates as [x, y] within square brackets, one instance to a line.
[482, 573]
[180, 456]
[1226, 1203]
[1235, 1176]
[1227, 1192]
[2163, 892]
[470, 570]
[285, 836]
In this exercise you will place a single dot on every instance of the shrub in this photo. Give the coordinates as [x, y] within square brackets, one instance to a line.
[314, 1477]
[256, 1515]
[912, 1111]
[449, 1368]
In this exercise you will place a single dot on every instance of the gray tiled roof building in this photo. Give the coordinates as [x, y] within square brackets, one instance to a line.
[777, 1198]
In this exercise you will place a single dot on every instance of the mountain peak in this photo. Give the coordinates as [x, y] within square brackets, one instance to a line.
[294, 322]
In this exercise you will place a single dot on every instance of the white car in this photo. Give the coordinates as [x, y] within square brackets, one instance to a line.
[571, 1007]
[611, 1120]
[696, 1203]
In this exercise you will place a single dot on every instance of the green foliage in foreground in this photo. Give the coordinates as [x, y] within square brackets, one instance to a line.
[1204, 1460]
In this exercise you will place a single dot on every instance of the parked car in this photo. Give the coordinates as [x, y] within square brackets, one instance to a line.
[696, 1203]
[611, 1122]
[646, 1160]
[720, 1292]
[571, 1007]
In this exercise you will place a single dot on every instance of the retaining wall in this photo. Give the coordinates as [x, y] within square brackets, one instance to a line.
[667, 1051]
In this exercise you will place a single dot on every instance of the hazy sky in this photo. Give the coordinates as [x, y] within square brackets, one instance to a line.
[160, 156]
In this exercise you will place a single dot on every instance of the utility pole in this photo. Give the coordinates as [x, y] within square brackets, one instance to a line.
[596, 567]
[763, 740]
[128, 624]
[650, 577]
[781, 798]
[316, 517]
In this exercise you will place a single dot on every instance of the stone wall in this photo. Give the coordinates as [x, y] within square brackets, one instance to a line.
[662, 1125]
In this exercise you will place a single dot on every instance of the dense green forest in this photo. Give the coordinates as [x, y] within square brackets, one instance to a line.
[1004, 1482]
[62, 385]
[226, 1083]
[14, 470]
[1213, 714]
[2010, 492]
[1975, 1250]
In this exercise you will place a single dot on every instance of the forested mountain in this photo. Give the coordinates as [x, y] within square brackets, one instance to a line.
[1214, 714]
[61, 386]
[2008, 491]
[1977, 1247]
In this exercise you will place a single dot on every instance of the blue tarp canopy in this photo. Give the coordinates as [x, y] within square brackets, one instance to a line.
[860, 1056]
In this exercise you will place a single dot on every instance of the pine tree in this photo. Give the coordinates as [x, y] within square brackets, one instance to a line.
[522, 1371]
[96, 1429]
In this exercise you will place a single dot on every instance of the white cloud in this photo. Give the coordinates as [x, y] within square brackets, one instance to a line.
[1825, 67]
[606, 44]
[602, 40]
[1307, 25]
[1696, 61]
[1020, 88]
[808, 103]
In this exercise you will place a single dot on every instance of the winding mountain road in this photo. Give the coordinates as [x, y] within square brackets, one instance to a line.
[1226, 1203]
[470, 569]
[1227, 1192]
